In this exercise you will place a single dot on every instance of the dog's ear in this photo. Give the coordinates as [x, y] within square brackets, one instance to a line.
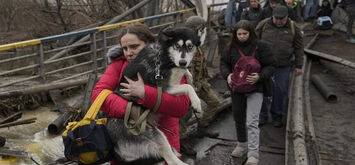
[166, 33]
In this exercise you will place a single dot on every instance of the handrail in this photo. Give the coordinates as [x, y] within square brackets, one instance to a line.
[45, 65]
[93, 30]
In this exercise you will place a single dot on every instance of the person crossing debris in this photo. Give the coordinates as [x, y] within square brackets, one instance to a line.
[203, 88]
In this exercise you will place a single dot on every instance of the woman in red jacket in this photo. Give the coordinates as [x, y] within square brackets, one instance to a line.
[133, 39]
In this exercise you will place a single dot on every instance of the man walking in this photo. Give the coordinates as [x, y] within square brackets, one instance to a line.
[286, 41]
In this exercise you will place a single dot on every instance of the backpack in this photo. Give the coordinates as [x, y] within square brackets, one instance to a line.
[88, 141]
[243, 67]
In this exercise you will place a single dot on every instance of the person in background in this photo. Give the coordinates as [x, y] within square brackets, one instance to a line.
[198, 69]
[310, 10]
[252, 12]
[267, 10]
[325, 9]
[132, 39]
[234, 11]
[286, 41]
[246, 106]
[296, 9]
[350, 10]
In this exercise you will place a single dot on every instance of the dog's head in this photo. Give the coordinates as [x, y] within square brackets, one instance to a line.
[180, 44]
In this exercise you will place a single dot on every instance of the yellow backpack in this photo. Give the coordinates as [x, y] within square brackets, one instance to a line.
[87, 141]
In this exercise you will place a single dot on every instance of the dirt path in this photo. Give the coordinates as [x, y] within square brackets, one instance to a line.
[334, 122]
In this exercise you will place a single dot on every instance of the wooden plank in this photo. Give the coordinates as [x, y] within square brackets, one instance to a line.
[19, 122]
[14, 153]
[43, 87]
[330, 57]
[12, 117]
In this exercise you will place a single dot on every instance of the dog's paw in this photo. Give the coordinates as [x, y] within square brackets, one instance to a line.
[196, 105]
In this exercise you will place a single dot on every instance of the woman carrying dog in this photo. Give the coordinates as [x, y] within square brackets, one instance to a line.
[246, 105]
[133, 39]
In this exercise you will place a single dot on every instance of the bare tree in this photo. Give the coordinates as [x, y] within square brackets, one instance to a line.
[8, 11]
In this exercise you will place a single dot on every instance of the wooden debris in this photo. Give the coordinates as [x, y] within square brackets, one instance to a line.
[11, 118]
[43, 87]
[19, 122]
[14, 153]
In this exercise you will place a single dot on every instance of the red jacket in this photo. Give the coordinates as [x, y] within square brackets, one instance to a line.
[171, 107]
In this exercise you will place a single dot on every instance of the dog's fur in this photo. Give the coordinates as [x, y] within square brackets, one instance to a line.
[176, 48]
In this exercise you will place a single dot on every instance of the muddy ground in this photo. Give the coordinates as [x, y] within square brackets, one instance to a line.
[334, 122]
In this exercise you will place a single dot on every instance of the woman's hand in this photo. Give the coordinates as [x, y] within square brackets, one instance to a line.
[229, 80]
[134, 88]
[253, 78]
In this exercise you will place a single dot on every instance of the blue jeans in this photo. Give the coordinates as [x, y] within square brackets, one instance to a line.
[282, 83]
[310, 9]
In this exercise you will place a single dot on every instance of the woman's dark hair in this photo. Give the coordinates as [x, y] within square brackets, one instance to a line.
[140, 30]
[245, 25]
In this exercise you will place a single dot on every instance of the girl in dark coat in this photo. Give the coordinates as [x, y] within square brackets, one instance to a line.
[246, 106]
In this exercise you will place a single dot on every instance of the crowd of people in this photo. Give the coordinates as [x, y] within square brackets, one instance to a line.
[266, 38]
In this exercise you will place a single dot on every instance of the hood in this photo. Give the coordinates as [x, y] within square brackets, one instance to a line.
[114, 52]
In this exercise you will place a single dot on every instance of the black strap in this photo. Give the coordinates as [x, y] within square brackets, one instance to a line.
[252, 54]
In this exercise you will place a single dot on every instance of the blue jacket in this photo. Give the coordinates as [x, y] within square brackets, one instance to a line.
[234, 11]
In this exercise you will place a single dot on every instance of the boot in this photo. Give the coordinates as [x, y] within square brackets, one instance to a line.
[253, 158]
[252, 161]
[205, 132]
[240, 150]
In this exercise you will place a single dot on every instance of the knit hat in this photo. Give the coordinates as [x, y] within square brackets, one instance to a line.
[280, 12]
[195, 22]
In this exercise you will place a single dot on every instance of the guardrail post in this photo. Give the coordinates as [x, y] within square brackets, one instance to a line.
[94, 51]
[104, 48]
[41, 69]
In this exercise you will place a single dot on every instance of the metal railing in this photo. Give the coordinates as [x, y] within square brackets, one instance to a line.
[35, 58]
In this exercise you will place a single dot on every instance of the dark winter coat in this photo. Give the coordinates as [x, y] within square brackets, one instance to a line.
[263, 55]
[284, 44]
[252, 15]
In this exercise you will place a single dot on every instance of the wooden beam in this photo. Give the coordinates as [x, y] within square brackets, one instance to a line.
[329, 57]
[43, 87]
[12, 117]
[19, 122]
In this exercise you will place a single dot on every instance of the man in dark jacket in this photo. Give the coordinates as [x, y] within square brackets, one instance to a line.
[252, 12]
[267, 10]
[286, 41]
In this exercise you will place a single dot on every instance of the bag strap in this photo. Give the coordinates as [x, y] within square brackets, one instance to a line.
[293, 28]
[252, 54]
[139, 126]
[96, 105]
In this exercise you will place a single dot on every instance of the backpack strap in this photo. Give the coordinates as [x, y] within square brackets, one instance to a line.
[96, 105]
[252, 54]
[293, 30]
[139, 126]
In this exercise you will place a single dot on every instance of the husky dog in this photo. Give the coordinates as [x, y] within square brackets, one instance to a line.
[176, 48]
